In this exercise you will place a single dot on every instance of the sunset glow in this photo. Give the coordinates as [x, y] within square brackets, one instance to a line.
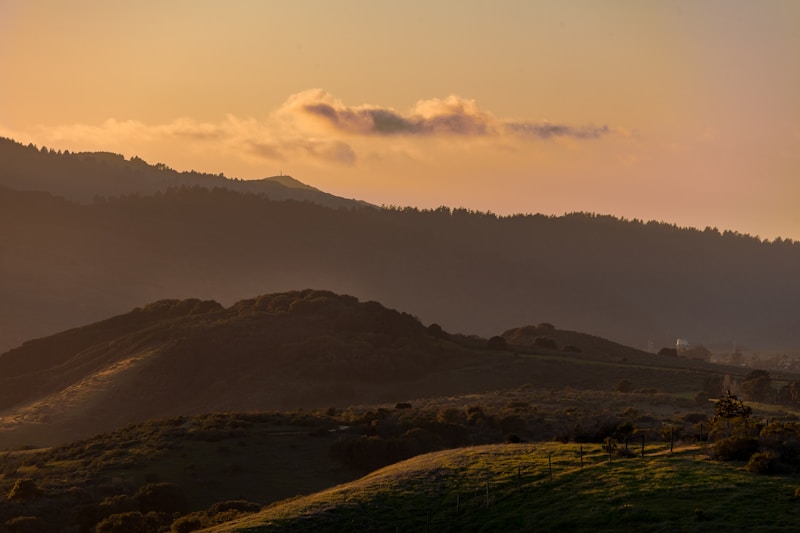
[685, 112]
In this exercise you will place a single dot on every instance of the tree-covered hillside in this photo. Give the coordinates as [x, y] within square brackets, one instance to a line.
[66, 264]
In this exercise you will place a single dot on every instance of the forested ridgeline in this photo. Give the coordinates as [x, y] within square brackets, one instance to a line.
[66, 264]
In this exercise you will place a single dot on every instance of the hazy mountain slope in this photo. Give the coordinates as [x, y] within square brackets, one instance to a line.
[177, 357]
[65, 264]
[83, 176]
[298, 349]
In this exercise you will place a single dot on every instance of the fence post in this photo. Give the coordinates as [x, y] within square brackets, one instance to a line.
[581, 456]
[671, 438]
[550, 464]
[487, 493]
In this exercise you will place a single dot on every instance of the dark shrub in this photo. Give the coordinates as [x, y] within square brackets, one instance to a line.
[27, 524]
[436, 331]
[242, 506]
[133, 522]
[625, 386]
[160, 497]
[734, 448]
[513, 424]
[762, 463]
[189, 523]
[497, 343]
[24, 489]
[545, 342]
[370, 453]
[475, 414]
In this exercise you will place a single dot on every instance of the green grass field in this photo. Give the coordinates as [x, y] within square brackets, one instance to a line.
[510, 488]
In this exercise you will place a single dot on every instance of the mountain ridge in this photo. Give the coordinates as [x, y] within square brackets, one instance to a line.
[82, 176]
[310, 348]
[643, 284]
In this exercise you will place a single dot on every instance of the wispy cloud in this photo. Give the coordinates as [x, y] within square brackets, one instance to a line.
[453, 115]
[318, 128]
[334, 151]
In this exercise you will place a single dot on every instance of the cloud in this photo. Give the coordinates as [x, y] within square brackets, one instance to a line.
[315, 127]
[546, 130]
[332, 151]
[454, 115]
[232, 135]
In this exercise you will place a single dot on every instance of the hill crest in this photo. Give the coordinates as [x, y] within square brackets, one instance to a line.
[82, 176]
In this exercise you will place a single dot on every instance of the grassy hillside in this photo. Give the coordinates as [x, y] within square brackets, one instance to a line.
[542, 487]
[187, 472]
[312, 349]
[193, 461]
[304, 348]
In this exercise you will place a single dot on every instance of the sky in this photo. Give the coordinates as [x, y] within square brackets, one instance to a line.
[686, 112]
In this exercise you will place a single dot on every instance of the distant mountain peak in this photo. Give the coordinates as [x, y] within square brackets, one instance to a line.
[289, 181]
[83, 176]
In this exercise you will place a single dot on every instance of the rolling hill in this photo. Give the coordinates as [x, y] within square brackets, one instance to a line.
[65, 264]
[295, 471]
[307, 348]
[121, 233]
[541, 487]
[83, 176]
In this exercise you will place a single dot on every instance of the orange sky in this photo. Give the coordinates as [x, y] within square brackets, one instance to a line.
[686, 112]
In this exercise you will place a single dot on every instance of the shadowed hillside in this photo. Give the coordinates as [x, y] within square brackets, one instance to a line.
[65, 264]
[186, 473]
[176, 357]
[308, 348]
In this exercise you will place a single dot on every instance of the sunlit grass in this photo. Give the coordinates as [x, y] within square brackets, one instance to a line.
[510, 488]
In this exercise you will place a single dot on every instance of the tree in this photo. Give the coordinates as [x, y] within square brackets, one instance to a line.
[436, 331]
[698, 352]
[729, 406]
[756, 386]
[497, 343]
[545, 342]
[790, 393]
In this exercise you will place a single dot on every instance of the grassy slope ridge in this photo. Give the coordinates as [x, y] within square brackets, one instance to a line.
[272, 458]
[447, 491]
[180, 357]
[261, 457]
[298, 349]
